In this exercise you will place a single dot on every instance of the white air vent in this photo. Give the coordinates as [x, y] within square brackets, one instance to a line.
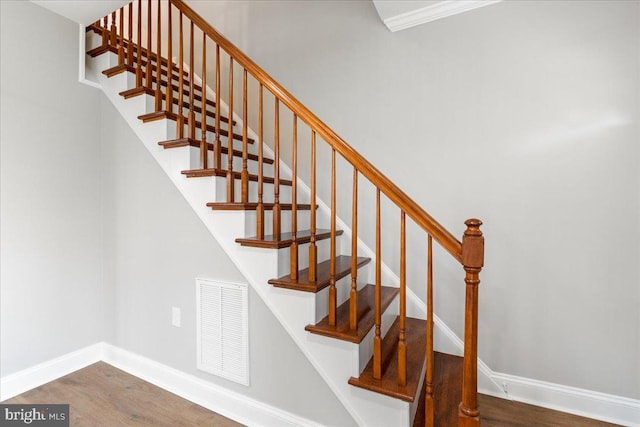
[223, 329]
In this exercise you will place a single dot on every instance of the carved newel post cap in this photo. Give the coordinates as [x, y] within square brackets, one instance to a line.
[473, 245]
[473, 227]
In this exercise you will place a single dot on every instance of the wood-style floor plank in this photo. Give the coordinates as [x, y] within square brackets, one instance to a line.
[101, 395]
[494, 412]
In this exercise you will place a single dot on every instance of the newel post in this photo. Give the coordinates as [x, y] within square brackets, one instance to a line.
[472, 261]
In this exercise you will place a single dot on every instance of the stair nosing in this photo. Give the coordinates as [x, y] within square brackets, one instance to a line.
[189, 142]
[251, 206]
[301, 238]
[319, 284]
[416, 344]
[355, 336]
[170, 115]
[200, 173]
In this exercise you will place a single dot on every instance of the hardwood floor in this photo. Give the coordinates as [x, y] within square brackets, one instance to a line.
[101, 395]
[494, 412]
[500, 412]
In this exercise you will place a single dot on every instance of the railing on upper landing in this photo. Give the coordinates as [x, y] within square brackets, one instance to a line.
[135, 49]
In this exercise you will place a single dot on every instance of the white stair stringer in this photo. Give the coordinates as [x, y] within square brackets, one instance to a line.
[335, 360]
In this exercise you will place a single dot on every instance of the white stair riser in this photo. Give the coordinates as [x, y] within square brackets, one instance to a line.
[335, 360]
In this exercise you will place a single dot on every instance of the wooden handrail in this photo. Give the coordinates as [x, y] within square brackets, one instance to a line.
[377, 178]
[469, 253]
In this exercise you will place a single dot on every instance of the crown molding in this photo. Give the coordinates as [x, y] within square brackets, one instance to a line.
[433, 12]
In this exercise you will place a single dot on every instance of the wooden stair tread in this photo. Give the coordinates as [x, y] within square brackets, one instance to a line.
[366, 315]
[415, 339]
[188, 142]
[199, 173]
[185, 89]
[323, 272]
[110, 72]
[121, 68]
[101, 49]
[447, 388]
[97, 51]
[170, 114]
[159, 115]
[118, 69]
[198, 110]
[447, 391]
[136, 91]
[251, 206]
[285, 239]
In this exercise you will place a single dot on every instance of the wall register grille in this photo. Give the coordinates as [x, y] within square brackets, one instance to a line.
[223, 329]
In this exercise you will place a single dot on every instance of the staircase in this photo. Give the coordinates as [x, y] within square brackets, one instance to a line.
[186, 90]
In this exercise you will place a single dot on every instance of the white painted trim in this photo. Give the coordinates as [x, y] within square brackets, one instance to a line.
[82, 53]
[42, 373]
[232, 405]
[586, 403]
[431, 13]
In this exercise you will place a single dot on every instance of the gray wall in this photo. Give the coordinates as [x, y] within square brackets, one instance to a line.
[97, 244]
[50, 204]
[524, 114]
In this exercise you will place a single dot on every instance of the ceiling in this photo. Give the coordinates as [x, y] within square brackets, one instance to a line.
[396, 14]
[81, 11]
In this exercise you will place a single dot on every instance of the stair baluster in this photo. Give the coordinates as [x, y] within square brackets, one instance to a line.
[158, 101]
[121, 36]
[113, 39]
[276, 213]
[353, 295]
[169, 91]
[139, 47]
[204, 147]
[130, 45]
[217, 150]
[429, 403]
[105, 33]
[313, 250]
[333, 303]
[402, 348]
[230, 177]
[191, 118]
[293, 249]
[260, 207]
[148, 68]
[244, 175]
[180, 111]
[377, 340]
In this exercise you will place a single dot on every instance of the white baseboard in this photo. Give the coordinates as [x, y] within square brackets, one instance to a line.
[35, 376]
[591, 404]
[232, 405]
[586, 403]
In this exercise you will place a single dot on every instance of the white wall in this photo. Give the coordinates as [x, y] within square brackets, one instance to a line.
[50, 204]
[524, 114]
[156, 247]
